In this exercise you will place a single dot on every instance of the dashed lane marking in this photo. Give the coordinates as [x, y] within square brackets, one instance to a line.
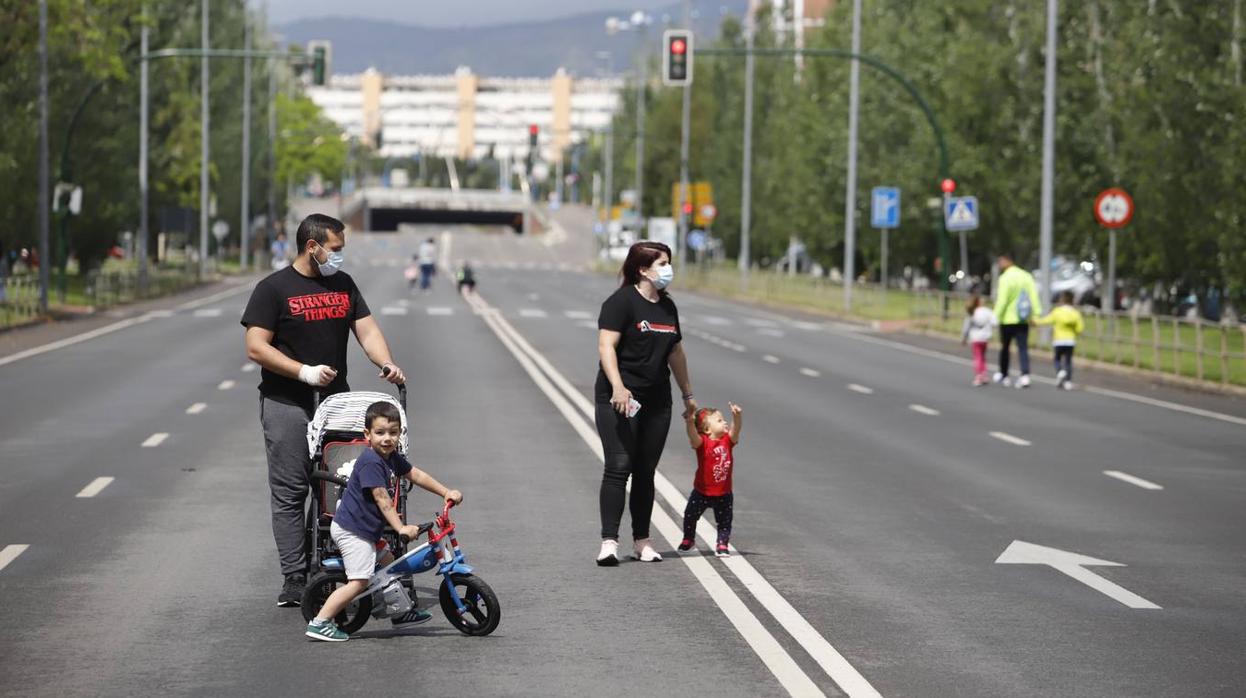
[858, 388]
[922, 409]
[771, 332]
[208, 312]
[811, 372]
[1009, 438]
[578, 315]
[439, 310]
[1126, 477]
[155, 439]
[10, 553]
[196, 408]
[248, 367]
[770, 359]
[393, 310]
[532, 312]
[94, 488]
[226, 385]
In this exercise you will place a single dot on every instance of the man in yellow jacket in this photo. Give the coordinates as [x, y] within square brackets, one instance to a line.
[1016, 304]
[1067, 324]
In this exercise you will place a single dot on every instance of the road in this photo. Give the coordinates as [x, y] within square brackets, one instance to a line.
[875, 492]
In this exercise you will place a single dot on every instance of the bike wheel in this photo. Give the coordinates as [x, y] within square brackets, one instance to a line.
[317, 591]
[483, 610]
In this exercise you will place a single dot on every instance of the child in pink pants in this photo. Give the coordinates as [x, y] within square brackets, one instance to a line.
[978, 330]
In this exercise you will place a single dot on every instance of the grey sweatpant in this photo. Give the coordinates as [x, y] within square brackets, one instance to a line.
[289, 478]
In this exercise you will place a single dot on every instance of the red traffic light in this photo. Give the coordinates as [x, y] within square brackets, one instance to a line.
[533, 130]
[679, 47]
[687, 208]
[948, 185]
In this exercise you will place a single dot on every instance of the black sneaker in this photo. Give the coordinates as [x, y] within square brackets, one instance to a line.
[292, 591]
[413, 617]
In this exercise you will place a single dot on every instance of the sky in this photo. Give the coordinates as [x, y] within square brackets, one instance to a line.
[443, 13]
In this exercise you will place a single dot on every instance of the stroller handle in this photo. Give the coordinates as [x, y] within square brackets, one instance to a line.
[402, 388]
[328, 477]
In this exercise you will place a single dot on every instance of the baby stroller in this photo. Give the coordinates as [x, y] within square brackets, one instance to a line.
[334, 441]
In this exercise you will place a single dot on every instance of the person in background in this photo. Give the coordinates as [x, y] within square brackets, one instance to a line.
[467, 278]
[977, 332]
[1016, 303]
[427, 257]
[281, 252]
[1067, 323]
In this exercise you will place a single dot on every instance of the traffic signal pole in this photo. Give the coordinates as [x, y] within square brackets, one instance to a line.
[684, 128]
[850, 193]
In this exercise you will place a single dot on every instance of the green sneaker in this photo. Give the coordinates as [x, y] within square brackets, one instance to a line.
[326, 631]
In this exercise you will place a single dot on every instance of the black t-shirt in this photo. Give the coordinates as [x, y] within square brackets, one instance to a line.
[311, 320]
[650, 331]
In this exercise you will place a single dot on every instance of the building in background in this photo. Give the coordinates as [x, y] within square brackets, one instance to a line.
[466, 115]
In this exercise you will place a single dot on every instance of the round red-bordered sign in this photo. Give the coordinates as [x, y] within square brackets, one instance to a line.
[1113, 208]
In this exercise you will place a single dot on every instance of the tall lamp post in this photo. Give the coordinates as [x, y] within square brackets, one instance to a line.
[638, 22]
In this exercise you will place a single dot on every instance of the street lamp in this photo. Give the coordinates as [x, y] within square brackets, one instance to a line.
[639, 22]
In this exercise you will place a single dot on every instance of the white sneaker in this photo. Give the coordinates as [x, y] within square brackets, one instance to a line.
[609, 555]
[999, 377]
[1068, 385]
[644, 552]
[1061, 376]
[1023, 381]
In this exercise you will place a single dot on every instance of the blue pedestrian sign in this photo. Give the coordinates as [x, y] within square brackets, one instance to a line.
[885, 207]
[961, 213]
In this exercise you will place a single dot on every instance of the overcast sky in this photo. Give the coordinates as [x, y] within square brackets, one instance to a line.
[449, 13]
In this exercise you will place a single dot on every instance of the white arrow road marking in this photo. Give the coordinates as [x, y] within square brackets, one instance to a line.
[155, 439]
[858, 388]
[1074, 565]
[226, 385]
[94, 488]
[439, 310]
[1126, 477]
[393, 310]
[922, 409]
[770, 359]
[532, 312]
[812, 373]
[208, 312]
[10, 553]
[196, 408]
[1009, 438]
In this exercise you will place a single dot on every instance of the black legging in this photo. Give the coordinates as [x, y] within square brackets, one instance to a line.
[631, 447]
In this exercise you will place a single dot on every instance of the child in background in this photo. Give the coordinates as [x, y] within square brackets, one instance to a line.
[978, 329]
[714, 440]
[467, 278]
[1067, 324]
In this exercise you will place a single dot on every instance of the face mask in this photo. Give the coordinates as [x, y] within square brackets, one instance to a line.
[330, 266]
[665, 275]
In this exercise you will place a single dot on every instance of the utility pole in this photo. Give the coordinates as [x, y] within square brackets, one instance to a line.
[143, 109]
[608, 194]
[746, 179]
[684, 127]
[244, 224]
[850, 196]
[1049, 157]
[272, 152]
[640, 132]
[45, 261]
[204, 136]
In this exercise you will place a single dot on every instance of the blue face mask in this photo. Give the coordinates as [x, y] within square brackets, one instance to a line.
[666, 274]
[330, 266]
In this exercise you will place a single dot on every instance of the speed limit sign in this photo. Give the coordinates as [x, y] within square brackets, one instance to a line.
[1113, 208]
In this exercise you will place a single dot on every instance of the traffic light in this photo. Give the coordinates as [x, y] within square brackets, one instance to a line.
[533, 132]
[320, 62]
[677, 58]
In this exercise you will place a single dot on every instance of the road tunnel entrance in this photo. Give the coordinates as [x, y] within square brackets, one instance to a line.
[388, 219]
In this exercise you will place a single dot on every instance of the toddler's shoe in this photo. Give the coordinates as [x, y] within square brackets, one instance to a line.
[685, 545]
[643, 551]
[325, 631]
[722, 550]
[413, 617]
[609, 554]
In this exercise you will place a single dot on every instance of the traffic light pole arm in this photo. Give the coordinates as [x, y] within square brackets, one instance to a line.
[944, 166]
[227, 53]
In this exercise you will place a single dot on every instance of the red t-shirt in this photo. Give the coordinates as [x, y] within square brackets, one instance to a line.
[714, 464]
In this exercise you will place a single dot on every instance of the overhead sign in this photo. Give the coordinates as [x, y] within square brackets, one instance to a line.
[961, 213]
[885, 207]
[1113, 208]
[1074, 565]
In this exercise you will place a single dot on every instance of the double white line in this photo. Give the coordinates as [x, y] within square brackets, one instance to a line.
[579, 413]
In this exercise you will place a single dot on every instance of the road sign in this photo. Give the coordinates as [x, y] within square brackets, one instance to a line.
[1113, 208]
[885, 207]
[709, 212]
[696, 240]
[1074, 565]
[220, 229]
[961, 213]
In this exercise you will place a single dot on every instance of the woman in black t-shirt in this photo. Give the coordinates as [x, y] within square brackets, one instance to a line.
[639, 345]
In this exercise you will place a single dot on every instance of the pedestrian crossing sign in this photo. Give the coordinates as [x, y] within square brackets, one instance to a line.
[961, 213]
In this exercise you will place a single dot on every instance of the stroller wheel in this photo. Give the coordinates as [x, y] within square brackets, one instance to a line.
[318, 589]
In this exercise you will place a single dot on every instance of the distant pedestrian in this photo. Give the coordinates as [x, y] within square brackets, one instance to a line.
[978, 330]
[714, 440]
[427, 257]
[1016, 304]
[412, 272]
[1067, 324]
[639, 344]
[281, 252]
[467, 278]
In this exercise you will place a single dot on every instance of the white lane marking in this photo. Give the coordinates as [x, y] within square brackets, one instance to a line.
[196, 408]
[1126, 477]
[578, 315]
[1074, 565]
[807, 326]
[532, 312]
[1009, 438]
[922, 409]
[715, 320]
[758, 322]
[439, 310]
[404, 302]
[155, 439]
[534, 297]
[812, 373]
[226, 385]
[10, 553]
[393, 310]
[249, 367]
[160, 313]
[94, 488]
[588, 324]
[832, 662]
[209, 300]
[771, 332]
[208, 312]
[858, 388]
[770, 359]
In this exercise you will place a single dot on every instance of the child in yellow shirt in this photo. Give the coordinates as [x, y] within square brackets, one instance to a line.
[1067, 324]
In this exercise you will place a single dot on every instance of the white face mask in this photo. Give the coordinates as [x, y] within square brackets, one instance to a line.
[330, 266]
[666, 274]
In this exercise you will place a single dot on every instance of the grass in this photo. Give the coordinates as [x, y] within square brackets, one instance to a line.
[1163, 344]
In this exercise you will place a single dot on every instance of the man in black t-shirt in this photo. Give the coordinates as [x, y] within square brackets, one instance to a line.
[298, 323]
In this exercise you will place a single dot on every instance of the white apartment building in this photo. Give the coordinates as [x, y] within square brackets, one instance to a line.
[466, 115]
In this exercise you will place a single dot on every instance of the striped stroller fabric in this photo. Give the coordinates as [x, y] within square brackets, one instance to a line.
[345, 412]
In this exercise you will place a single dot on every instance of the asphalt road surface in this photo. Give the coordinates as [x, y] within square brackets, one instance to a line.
[897, 532]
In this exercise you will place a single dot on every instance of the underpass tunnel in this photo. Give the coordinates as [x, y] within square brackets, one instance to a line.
[388, 219]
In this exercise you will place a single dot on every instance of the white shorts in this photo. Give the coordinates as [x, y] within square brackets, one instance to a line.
[358, 553]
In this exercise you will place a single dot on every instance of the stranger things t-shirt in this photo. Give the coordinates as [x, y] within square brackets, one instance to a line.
[311, 320]
[650, 332]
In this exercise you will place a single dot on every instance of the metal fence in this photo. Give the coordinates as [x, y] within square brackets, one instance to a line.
[20, 302]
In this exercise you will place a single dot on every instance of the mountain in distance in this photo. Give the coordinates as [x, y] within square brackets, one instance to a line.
[529, 49]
